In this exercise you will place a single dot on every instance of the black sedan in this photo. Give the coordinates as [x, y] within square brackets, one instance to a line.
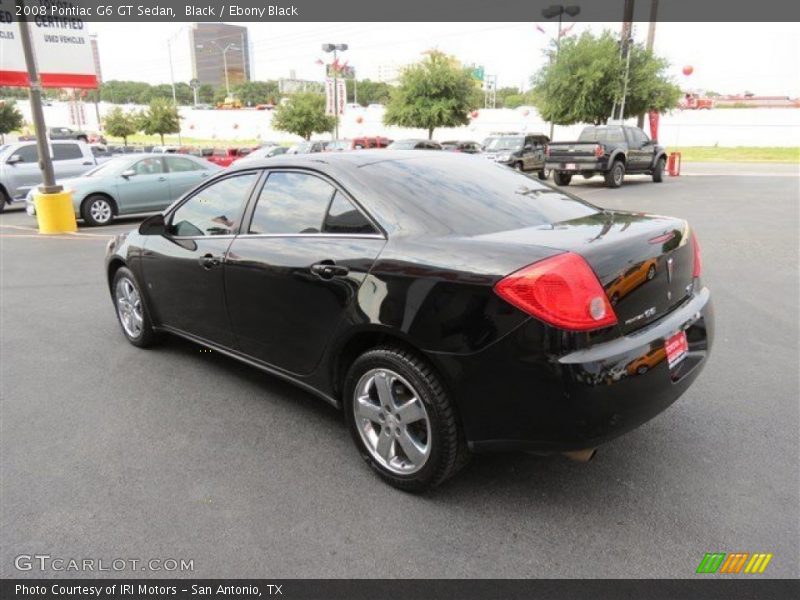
[447, 304]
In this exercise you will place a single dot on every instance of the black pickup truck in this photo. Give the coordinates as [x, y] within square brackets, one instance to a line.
[610, 150]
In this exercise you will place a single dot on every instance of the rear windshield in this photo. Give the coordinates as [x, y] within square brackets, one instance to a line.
[480, 199]
[601, 134]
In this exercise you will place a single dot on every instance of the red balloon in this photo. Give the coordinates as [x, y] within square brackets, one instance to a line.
[688, 70]
[359, 120]
[474, 114]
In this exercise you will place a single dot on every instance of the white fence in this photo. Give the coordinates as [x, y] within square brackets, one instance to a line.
[716, 127]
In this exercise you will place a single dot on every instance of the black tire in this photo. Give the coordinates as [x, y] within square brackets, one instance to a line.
[544, 174]
[561, 178]
[615, 299]
[4, 200]
[448, 450]
[147, 335]
[518, 166]
[615, 175]
[97, 209]
[651, 272]
[658, 172]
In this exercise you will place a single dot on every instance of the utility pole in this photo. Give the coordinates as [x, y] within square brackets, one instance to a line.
[627, 38]
[45, 162]
[334, 48]
[558, 10]
[651, 36]
[54, 210]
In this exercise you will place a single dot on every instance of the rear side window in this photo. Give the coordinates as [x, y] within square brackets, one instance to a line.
[66, 151]
[214, 209]
[291, 203]
[343, 217]
[177, 164]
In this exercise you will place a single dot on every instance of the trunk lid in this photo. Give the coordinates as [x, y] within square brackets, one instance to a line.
[644, 262]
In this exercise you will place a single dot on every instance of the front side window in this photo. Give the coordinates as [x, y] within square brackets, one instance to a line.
[28, 154]
[214, 209]
[148, 166]
[291, 203]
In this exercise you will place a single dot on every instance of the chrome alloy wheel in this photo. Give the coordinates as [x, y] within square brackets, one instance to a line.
[129, 307]
[100, 210]
[392, 421]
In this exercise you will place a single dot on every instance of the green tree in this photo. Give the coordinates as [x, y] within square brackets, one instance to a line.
[251, 93]
[587, 79]
[303, 115]
[370, 92]
[118, 123]
[10, 118]
[205, 93]
[437, 92]
[160, 118]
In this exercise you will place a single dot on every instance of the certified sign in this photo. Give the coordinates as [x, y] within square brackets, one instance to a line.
[61, 44]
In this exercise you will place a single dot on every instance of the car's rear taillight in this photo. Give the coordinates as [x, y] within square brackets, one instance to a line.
[598, 151]
[698, 265]
[562, 291]
[547, 150]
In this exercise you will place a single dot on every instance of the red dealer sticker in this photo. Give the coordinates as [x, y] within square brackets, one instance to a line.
[677, 348]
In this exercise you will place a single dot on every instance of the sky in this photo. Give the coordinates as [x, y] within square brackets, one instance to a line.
[727, 57]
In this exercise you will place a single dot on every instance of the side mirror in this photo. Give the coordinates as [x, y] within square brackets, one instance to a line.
[16, 158]
[128, 173]
[154, 225]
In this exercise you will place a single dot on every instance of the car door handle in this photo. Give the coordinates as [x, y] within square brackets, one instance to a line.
[329, 270]
[162, 178]
[88, 163]
[207, 261]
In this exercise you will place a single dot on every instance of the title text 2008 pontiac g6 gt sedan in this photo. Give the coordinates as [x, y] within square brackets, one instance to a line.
[447, 304]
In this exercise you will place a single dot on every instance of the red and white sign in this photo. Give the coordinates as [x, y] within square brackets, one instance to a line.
[63, 53]
[341, 96]
[677, 348]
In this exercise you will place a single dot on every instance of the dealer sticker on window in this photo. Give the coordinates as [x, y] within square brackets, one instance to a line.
[677, 348]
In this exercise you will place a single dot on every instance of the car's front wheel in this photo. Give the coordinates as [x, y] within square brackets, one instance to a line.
[97, 210]
[402, 420]
[132, 312]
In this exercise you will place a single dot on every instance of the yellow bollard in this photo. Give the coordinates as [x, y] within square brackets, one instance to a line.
[55, 212]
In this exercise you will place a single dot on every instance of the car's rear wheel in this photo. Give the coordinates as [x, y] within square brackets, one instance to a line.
[658, 172]
[132, 312]
[518, 166]
[561, 178]
[615, 175]
[402, 420]
[97, 210]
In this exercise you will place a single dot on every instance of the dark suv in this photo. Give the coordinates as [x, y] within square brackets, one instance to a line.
[524, 152]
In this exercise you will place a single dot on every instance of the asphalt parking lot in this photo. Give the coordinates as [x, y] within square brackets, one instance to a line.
[110, 451]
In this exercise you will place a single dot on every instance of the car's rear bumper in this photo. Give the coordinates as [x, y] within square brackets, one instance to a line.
[575, 166]
[516, 396]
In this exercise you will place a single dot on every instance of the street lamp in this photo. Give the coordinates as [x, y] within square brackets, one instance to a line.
[224, 51]
[335, 48]
[551, 12]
